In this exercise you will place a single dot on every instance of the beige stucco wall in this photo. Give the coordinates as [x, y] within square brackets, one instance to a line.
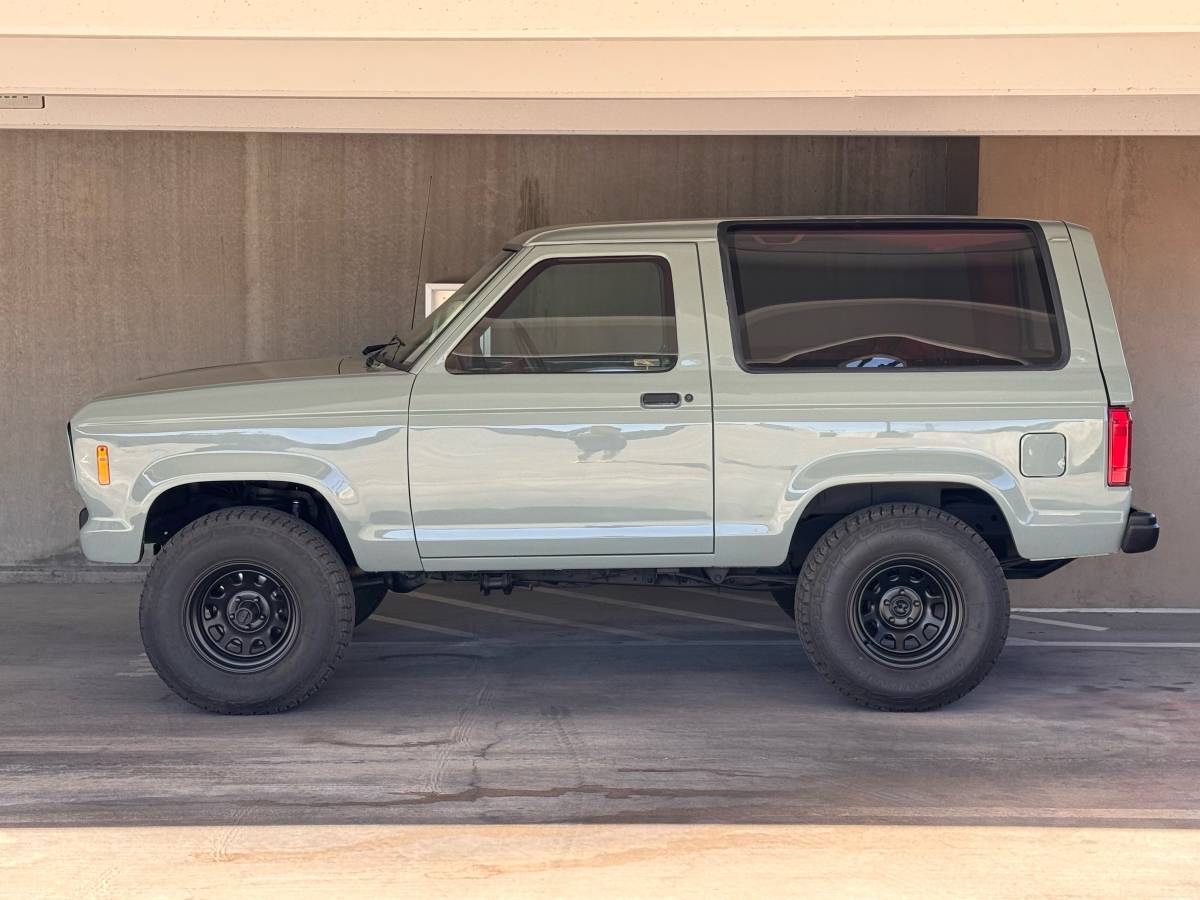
[125, 254]
[1141, 198]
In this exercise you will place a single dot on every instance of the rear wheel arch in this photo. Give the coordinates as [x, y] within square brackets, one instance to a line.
[978, 509]
[974, 505]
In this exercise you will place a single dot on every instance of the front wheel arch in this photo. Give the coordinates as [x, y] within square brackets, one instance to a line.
[179, 505]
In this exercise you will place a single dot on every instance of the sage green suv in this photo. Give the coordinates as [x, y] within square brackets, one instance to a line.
[879, 421]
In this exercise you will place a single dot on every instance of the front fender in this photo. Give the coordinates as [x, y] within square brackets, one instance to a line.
[230, 465]
[377, 523]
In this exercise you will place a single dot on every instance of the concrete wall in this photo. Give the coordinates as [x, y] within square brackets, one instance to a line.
[1140, 197]
[125, 253]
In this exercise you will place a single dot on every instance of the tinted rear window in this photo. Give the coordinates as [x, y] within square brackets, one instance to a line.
[891, 296]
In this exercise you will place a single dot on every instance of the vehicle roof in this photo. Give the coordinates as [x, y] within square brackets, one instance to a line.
[701, 229]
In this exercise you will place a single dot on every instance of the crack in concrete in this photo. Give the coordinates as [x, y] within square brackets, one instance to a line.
[721, 773]
[475, 793]
[400, 745]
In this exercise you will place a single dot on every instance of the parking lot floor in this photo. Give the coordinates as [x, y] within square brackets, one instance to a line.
[499, 740]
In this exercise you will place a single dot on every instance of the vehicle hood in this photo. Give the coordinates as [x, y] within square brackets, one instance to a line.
[215, 376]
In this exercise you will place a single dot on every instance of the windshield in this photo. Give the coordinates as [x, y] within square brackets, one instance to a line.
[425, 333]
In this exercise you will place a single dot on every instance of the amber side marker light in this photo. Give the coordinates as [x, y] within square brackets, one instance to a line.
[102, 473]
[1120, 445]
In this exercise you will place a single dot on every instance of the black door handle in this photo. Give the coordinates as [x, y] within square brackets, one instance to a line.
[660, 401]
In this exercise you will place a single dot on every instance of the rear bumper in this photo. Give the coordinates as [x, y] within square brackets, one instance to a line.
[1141, 532]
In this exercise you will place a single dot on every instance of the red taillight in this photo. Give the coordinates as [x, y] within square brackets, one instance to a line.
[1120, 439]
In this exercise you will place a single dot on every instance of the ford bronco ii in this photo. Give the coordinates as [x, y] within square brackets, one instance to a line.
[877, 420]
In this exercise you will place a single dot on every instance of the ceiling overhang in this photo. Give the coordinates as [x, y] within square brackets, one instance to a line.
[1128, 82]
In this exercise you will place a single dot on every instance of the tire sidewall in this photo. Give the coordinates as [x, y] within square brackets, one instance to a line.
[828, 601]
[323, 614]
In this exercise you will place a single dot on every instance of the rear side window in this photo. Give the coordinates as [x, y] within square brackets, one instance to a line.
[882, 296]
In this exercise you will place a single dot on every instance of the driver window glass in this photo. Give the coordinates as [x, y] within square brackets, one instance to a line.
[577, 315]
[891, 296]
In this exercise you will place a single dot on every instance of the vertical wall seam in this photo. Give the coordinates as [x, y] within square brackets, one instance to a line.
[962, 176]
[254, 298]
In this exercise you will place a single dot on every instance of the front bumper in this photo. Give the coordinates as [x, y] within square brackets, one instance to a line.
[1141, 532]
[109, 540]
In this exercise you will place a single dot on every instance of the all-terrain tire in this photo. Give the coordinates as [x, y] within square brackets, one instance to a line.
[252, 579]
[838, 599]
[366, 600]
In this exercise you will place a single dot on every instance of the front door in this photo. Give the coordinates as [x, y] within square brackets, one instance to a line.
[573, 415]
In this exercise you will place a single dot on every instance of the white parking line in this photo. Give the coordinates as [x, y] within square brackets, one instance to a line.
[437, 629]
[1177, 814]
[687, 614]
[1060, 624]
[1165, 645]
[724, 595]
[1110, 610]
[533, 617]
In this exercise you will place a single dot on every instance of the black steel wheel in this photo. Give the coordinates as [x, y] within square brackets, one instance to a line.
[242, 616]
[907, 612]
[902, 607]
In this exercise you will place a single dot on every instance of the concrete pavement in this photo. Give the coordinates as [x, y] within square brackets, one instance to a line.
[620, 723]
[676, 706]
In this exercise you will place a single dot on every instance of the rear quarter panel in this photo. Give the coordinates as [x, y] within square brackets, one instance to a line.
[783, 437]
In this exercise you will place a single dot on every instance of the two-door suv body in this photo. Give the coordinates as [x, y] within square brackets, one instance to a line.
[878, 420]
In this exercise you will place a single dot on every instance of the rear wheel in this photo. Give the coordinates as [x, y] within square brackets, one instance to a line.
[247, 610]
[902, 607]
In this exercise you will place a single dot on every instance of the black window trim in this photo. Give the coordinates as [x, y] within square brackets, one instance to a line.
[661, 262]
[931, 223]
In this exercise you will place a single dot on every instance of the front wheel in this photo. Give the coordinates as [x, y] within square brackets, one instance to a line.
[247, 610]
[902, 607]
